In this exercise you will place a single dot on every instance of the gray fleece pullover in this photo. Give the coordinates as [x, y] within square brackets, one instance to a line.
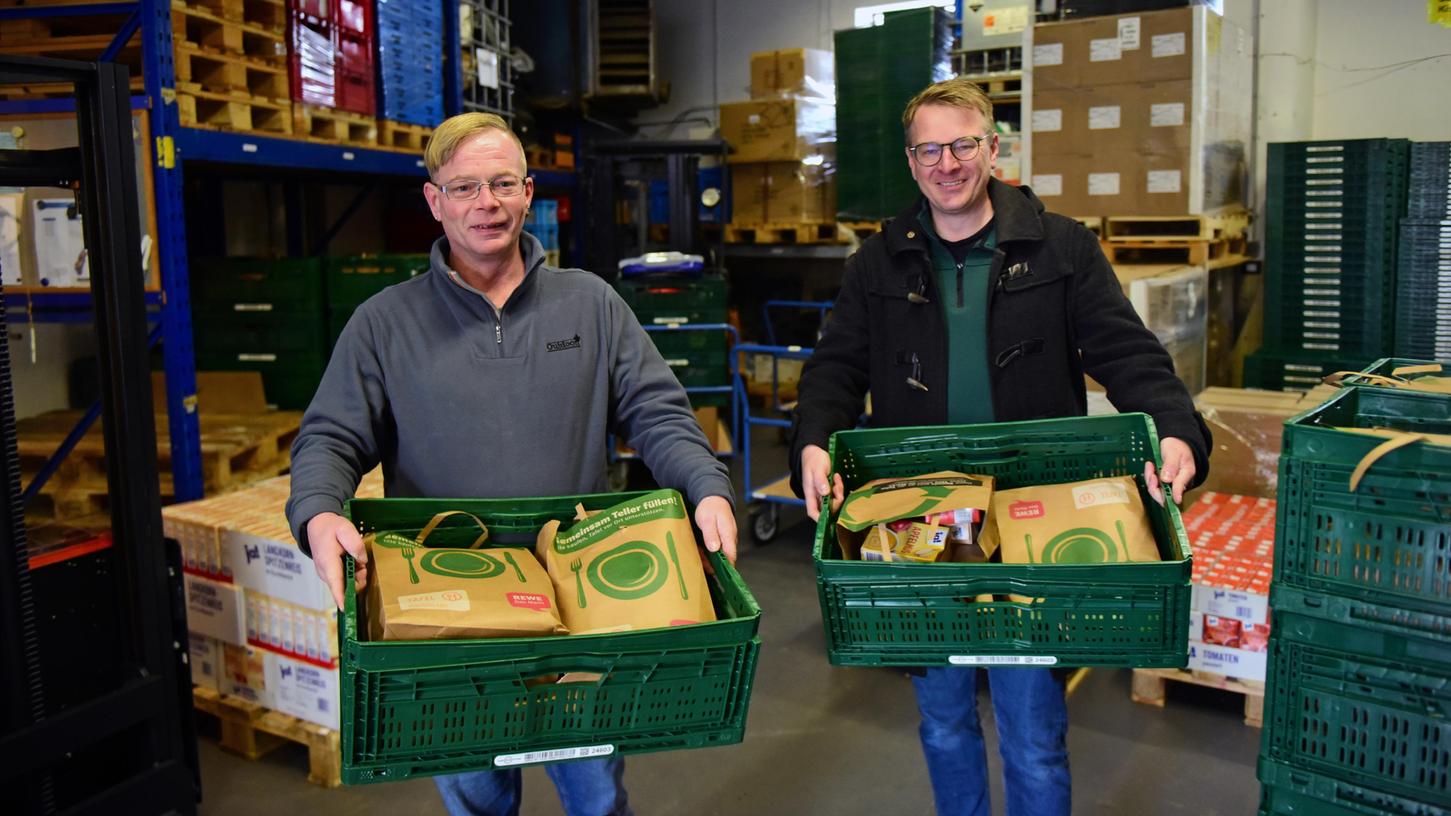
[457, 399]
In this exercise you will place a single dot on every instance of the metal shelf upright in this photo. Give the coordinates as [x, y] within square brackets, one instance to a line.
[173, 145]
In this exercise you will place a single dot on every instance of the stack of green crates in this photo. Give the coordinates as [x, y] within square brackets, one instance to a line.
[267, 315]
[1358, 698]
[419, 708]
[878, 70]
[355, 278]
[1330, 257]
[667, 306]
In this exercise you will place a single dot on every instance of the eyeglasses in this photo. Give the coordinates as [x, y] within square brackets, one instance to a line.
[965, 149]
[506, 186]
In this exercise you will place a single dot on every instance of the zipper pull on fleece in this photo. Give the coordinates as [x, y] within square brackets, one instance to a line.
[498, 332]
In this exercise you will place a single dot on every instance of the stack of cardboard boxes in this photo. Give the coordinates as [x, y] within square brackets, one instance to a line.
[1142, 114]
[783, 141]
[1229, 618]
[263, 626]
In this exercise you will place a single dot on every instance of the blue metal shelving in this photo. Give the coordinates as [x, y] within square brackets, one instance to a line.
[174, 145]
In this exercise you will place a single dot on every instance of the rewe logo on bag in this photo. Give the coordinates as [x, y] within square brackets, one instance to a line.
[1025, 509]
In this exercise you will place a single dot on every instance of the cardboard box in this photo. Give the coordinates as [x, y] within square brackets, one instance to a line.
[205, 656]
[244, 674]
[264, 558]
[215, 609]
[285, 628]
[303, 690]
[1142, 114]
[1247, 426]
[1106, 50]
[803, 191]
[786, 129]
[1242, 605]
[748, 193]
[808, 71]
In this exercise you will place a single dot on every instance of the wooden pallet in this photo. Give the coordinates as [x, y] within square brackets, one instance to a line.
[784, 233]
[236, 449]
[861, 229]
[403, 136]
[204, 109]
[229, 74]
[253, 731]
[1194, 253]
[56, 90]
[267, 14]
[39, 29]
[202, 30]
[1148, 689]
[332, 125]
[1149, 228]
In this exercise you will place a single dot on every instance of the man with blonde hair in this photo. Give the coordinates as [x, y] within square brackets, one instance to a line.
[494, 375]
[974, 305]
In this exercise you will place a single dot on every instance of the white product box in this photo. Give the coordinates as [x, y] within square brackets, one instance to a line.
[1248, 607]
[287, 628]
[275, 568]
[215, 609]
[303, 690]
[1227, 661]
[205, 655]
[244, 674]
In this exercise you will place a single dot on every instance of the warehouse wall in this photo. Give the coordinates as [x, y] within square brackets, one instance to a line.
[1380, 70]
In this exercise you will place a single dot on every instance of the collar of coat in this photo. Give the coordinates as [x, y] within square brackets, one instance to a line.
[1017, 211]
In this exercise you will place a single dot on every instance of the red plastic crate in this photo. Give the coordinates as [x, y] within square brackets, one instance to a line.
[356, 17]
[356, 92]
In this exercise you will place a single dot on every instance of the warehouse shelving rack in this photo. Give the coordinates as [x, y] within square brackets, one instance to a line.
[174, 146]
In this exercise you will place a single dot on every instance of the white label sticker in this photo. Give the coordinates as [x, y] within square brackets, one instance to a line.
[1164, 181]
[452, 600]
[1128, 33]
[1104, 118]
[488, 67]
[1105, 50]
[251, 307]
[1047, 121]
[1103, 183]
[1167, 45]
[1002, 660]
[1050, 184]
[1050, 54]
[531, 757]
[1169, 114]
[1097, 494]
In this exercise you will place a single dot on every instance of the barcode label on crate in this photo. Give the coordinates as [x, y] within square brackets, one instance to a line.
[556, 755]
[1002, 660]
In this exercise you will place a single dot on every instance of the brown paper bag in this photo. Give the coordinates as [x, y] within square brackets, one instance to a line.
[633, 566]
[883, 501]
[417, 592]
[1099, 521]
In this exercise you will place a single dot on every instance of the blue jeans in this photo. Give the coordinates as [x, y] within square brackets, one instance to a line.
[595, 787]
[1032, 720]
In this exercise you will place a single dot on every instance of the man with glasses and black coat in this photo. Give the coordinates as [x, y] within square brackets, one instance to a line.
[494, 375]
[974, 305]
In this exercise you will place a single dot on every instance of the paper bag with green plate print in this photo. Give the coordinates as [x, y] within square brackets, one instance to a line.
[417, 592]
[632, 566]
[1099, 521]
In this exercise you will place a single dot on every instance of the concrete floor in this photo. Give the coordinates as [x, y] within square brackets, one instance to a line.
[814, 730]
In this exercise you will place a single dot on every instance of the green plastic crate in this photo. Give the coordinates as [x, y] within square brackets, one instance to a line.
[1391, 634]
[1387, 366]
[879, 614]
[697, 369]
[672, 342]
[289, 379]
[1389, 541]
[246, 330]
[675, 316]
[656, 294]
[1289, 791]
[418, 708]
[1370, 708]
[284, 285]
[355, 278]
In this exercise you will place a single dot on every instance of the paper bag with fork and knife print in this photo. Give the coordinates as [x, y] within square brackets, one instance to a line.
[417, 592]
[632, 566]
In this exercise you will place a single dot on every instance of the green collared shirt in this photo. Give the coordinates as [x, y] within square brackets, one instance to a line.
[962, 269]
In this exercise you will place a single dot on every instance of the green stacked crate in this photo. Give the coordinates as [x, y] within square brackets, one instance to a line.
[878, 70]
[264, 315]
[667, 305]
[1287, 371]
[1331, 245]
[1360, 655]
[355, 278]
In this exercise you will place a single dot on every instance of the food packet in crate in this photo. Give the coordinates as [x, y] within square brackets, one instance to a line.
[917, 519]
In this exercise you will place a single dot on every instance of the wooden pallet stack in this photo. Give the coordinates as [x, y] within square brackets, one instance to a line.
[65, 37]
[1214, 240]
[230, 59]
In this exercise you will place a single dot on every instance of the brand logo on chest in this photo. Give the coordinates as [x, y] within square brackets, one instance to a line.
[563, 345]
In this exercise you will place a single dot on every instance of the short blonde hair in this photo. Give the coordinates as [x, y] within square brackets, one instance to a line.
[956, 92]
[455, 130]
